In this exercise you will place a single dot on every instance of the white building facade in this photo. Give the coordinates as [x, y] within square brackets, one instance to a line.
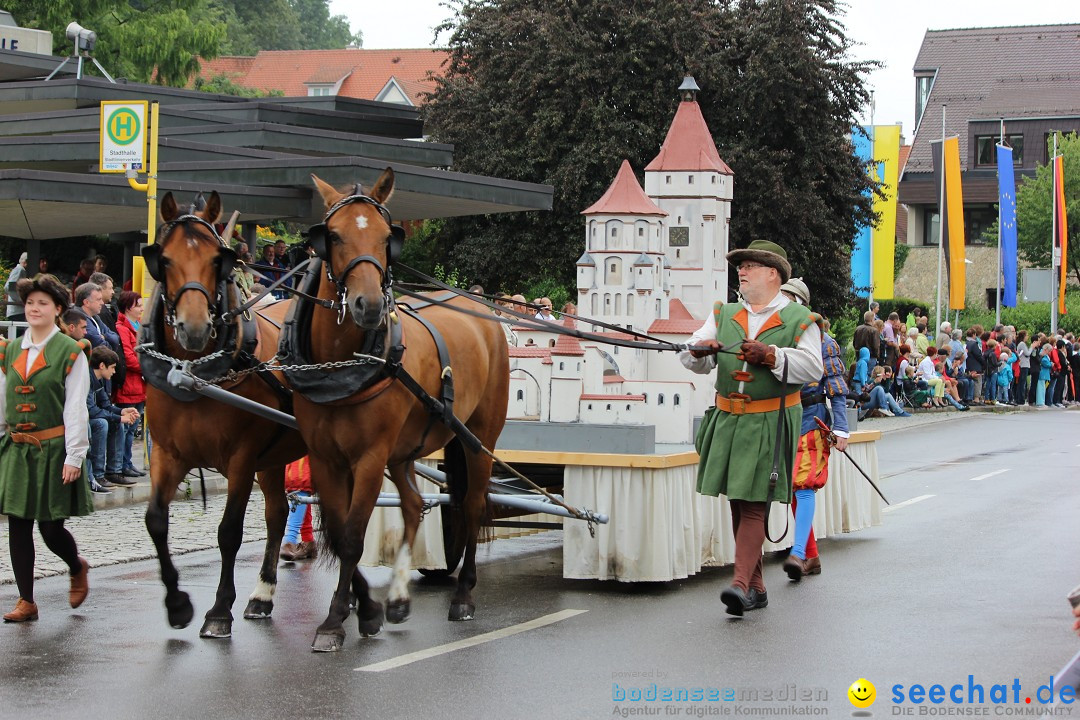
[653, 261]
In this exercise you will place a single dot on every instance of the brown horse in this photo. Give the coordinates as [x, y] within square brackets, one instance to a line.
[386, 426]
[195, 289]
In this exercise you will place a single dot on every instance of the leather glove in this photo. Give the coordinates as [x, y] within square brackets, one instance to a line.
[708, 347]
[758, 353]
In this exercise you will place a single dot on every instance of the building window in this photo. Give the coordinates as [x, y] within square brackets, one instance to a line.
[660, 399]
[520, 394]
[977, 220]
[630, 303]
[641, 232]
[922, 94]
[645, 397]
[713, 179]
[627, 407]
[562, 366]
[667, 179]
[986, 149]
[320, 90]
[614, 232]
[609, 406]
[590, 406]
[618, 303]
[675, 400]
[691, 178]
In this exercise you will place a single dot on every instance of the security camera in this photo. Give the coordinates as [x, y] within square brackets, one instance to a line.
[84, 39]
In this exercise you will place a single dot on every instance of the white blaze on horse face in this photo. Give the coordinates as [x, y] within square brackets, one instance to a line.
[361, 222]
[263, 591]
[399, 586]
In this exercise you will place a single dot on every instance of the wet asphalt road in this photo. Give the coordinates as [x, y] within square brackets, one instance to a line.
[970, 580]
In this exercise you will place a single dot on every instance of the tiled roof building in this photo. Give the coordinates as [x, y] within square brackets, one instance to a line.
[401, 75]
[1025, 78]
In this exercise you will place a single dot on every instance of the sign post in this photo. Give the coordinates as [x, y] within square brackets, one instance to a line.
[125, 132]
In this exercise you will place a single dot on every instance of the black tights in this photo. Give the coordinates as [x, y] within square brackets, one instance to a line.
[21, 547]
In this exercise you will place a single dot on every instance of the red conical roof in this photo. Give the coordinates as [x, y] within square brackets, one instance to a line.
[567, 344]
[624, 197]
[689, 144]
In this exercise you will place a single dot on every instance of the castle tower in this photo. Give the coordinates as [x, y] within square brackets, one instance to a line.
[623, 239]
[693, 186]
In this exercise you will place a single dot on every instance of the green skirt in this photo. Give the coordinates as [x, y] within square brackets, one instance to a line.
[32, 485]
[736, 454]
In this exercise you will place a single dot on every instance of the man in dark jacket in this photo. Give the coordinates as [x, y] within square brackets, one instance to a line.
[105, 416]
[976, 366]
[867, 336]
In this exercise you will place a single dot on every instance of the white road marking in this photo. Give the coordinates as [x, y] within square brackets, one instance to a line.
[469, 642]
[989, 475]
[912, 501]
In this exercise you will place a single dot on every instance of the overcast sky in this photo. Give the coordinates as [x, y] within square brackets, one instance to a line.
[888, 31]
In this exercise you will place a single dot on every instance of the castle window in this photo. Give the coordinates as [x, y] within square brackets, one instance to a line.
[614, 232]
[667, 179]
[630, 303]
[520, 394]
[551, 342]
[618, 304]
[579, 366]
[645, 396]
[590, 406]
[641, 232]
[609, 406]
[627, 407]
[713, 179]
[660, 399]
[675, 400]
[691, 179]
[562, 366]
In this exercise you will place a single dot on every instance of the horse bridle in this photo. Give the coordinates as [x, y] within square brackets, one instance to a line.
[319, 235]
[152, 255]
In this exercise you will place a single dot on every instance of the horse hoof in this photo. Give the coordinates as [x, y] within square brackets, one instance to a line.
[370, 627]
[461, 611]
[179, 609]
[328, 642]
[258, 609]
[397, 611]
[216, 628]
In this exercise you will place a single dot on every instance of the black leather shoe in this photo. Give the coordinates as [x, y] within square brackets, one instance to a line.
[132, 472]
[757, 599]
[735, 601]
[117, 479]
[795, 567]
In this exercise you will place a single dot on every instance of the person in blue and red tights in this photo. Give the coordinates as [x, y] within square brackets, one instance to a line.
[299, 539]
[811, 469]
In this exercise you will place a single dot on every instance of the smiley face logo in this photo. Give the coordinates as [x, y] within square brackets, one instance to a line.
[862, 693]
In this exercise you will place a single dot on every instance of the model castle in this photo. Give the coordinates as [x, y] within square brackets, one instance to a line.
[654, 261]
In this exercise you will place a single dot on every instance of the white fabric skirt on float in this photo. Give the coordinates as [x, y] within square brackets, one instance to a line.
[661, 529]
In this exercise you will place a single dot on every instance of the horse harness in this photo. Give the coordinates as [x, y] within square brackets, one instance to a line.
[359, 382]
[237, 342]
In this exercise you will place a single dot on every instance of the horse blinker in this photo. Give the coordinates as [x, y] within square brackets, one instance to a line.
[155, 264]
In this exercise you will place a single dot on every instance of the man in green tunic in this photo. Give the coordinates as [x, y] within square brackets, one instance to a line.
[780, 342]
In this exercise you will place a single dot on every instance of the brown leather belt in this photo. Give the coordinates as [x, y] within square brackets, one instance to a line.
[737, 404]
[36, 437]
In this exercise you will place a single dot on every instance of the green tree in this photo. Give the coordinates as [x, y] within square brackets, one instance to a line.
[321, 31]
[1034, 208]
[143, 40]
[559, 93]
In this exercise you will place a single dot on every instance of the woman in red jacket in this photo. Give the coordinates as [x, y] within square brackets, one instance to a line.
[133, 391]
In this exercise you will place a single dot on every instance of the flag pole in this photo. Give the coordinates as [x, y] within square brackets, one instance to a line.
[873, 164]
[1053, 241]
[997, 298]
[941, 230]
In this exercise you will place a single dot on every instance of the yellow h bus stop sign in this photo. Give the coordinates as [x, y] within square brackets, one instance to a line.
[122, 136]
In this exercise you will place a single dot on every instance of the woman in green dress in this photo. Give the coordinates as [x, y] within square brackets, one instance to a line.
[43, 441]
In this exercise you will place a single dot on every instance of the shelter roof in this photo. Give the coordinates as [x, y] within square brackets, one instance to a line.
[624, 197]
[689, 144]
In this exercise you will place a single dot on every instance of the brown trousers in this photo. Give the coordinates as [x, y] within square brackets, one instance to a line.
[748, 520]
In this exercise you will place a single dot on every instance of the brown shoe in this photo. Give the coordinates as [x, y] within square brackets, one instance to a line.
[794, 568]
[80, 584]
[288, 551]
[23, 611]
[812, 566]
[306, 551]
